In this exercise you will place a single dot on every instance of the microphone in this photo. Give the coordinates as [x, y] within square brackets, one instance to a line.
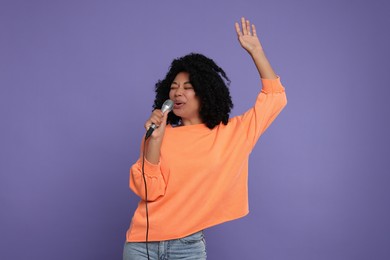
[166, 107]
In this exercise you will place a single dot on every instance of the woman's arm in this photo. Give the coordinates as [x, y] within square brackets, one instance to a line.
[250, 42]
[155, 181]
[153, 144]
[271, 99]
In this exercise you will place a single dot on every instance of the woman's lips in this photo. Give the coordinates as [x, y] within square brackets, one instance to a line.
[178, 105]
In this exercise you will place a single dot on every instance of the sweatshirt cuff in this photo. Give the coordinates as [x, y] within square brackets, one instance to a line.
[150, 168]
[272, 85]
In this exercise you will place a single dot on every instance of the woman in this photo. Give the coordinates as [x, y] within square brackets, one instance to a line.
[192, 171]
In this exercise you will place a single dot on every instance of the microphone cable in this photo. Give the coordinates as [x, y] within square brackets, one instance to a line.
[146, 201]
[166, 107]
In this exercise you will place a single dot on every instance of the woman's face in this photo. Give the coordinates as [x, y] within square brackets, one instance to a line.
[186, 103]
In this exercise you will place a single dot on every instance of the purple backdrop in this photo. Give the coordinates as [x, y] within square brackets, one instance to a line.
[77, 81]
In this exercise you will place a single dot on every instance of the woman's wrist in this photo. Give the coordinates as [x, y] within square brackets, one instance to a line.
[257, 52]
[153, 152]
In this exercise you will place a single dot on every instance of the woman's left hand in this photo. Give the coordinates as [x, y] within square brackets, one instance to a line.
[248, 37]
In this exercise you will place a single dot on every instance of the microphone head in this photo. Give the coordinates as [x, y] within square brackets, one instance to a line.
[167, 106]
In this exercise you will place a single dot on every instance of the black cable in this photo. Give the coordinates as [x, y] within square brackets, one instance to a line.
[146, 201]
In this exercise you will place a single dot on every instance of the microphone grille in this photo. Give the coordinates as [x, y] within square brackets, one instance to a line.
[167, 106]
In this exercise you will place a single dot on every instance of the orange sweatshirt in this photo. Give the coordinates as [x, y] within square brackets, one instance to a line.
[201, 178]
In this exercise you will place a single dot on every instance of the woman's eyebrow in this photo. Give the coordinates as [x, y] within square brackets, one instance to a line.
[187, 82]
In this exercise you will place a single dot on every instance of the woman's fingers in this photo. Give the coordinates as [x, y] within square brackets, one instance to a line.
[164, 119]
[247, 28]
[243, 25]
[238, 30]
[254, 30]
[156, 118]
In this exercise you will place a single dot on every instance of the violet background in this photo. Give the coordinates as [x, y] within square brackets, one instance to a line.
[76, 85]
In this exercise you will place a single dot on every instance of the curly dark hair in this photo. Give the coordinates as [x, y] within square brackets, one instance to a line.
[210, 84]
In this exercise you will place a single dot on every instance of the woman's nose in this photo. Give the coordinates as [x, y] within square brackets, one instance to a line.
[178, 92]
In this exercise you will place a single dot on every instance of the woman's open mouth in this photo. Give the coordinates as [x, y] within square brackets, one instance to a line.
[178, 105]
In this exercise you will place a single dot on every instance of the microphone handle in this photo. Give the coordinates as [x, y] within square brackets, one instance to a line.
[150, 131]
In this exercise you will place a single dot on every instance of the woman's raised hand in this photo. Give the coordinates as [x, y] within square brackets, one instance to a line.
[247, 36]
[249, 41]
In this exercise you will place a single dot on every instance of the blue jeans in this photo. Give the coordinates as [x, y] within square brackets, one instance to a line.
[192, 247]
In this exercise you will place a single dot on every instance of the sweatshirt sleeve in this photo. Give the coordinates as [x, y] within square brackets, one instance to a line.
[269, 103]
[155, 182]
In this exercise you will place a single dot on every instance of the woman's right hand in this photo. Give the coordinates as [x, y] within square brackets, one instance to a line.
[160, 120]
